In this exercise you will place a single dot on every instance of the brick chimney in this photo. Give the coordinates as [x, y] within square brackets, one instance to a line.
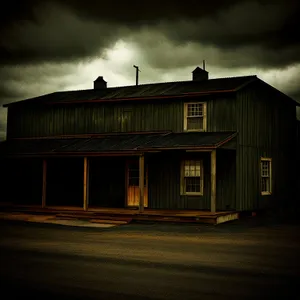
[100, 83]
[200, 74]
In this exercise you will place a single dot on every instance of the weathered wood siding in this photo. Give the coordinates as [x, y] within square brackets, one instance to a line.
[266, 126]
[164, 182]
[221, 113]
[94, 118]
[37, 121]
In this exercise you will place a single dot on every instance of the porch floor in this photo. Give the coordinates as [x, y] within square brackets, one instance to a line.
[128, 214]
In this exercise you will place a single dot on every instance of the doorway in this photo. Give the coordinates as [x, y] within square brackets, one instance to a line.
[132, 184]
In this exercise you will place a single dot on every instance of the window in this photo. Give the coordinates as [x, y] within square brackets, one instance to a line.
[192, 177]
[266, 176]
[195, 116]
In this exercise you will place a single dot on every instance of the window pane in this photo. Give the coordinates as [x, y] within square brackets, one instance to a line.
[265, 184]
[192, 168]
[186, 171]
[265, 168]
[195, 109]
[192, 184]
[192, 176]
[195, 123]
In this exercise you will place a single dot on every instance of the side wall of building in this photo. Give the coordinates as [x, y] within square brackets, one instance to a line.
[266, 122]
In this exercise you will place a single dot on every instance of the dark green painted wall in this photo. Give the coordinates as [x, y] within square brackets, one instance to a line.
[94, 118]
[36, 121]
[164, 181]
[266, 126]
[221, 113]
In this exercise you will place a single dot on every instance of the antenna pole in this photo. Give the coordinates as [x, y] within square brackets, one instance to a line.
[136, 74]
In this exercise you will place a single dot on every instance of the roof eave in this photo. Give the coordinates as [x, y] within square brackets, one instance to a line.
[281, 93]
[106, 153]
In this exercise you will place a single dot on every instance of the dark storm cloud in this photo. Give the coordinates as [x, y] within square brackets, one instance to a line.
[246, 34]
[67, 30]
[54, 33]
[246, 23]
[35, 31]
[33, 80]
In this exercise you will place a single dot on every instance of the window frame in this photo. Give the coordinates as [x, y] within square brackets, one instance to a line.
[183, 191]
[269, 160]
[186, 104]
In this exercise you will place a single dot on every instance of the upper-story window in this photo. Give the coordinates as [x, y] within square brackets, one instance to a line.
[195, 116]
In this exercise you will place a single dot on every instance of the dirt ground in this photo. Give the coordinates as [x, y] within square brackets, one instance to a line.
[254, 257]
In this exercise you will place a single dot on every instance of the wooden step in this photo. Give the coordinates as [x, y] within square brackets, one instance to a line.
[102, 219]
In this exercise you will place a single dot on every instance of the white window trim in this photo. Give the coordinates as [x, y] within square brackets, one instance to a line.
[182, 181]
[271, 188]
[185, 117]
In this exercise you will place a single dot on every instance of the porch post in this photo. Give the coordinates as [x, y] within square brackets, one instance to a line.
[213, 192]
[85, 183]
[44, 183]
[141, 182]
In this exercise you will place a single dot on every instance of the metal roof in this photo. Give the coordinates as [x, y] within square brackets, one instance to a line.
[144, 90]
[114, 143]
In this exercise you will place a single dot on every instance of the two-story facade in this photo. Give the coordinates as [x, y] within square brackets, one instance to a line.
[206, 144]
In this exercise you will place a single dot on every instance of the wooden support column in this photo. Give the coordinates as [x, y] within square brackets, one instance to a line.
[213, 192]
[44, 183]
[85, 183]
[141, 182]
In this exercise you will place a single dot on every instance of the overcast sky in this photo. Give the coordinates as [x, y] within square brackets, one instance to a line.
[48, 46]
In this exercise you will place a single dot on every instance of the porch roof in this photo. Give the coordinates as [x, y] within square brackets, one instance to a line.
[116, 143]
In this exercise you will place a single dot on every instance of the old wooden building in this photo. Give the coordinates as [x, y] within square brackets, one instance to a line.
[207, 144]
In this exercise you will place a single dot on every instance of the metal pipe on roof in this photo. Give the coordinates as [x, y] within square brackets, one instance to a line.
[137, 74]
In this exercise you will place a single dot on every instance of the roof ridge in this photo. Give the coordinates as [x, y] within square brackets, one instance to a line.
[157, 89]
[159, 83]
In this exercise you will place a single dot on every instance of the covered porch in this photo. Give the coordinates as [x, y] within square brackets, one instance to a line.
[144, 180]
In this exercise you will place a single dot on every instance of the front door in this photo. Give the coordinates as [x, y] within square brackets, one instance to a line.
[132, 182]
